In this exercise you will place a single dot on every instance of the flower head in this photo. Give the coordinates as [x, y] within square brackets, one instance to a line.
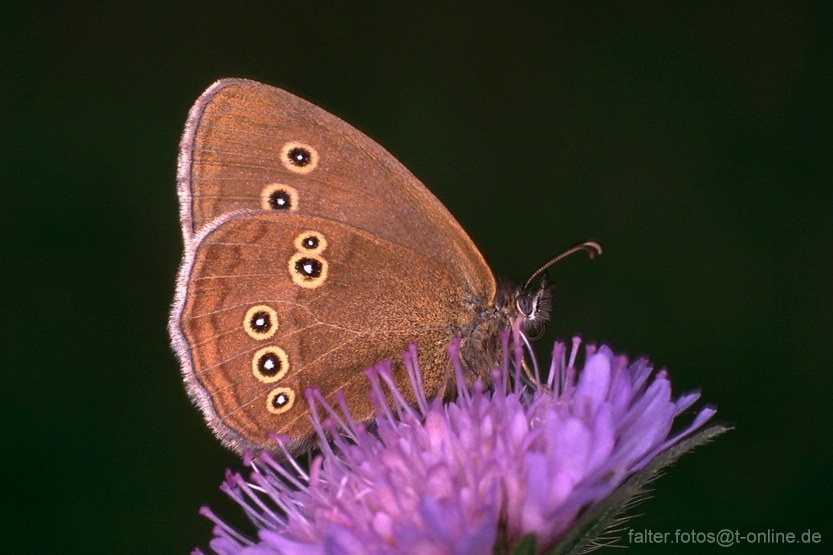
[496, 467]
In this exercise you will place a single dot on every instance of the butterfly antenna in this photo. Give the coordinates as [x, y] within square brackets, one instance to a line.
[593, 250]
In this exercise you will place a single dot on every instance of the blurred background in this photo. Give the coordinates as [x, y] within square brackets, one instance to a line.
[694, 144]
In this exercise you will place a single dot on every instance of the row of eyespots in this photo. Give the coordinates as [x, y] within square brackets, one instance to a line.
[270, 363]
[307, 267]
[298, 158]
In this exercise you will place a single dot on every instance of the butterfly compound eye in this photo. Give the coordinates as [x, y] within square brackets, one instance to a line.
[526, 305]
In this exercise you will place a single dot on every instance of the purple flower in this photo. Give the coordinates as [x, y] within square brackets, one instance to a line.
[509, 467]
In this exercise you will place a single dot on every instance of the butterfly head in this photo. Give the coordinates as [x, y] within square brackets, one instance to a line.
[533, 306]
[531, 303]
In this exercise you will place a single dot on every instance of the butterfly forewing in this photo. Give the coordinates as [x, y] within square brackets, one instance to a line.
[252, 146]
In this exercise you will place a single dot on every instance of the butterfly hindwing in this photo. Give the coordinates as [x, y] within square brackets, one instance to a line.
[272, 303]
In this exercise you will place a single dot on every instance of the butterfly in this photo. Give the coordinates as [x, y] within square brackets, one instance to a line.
[310, 254]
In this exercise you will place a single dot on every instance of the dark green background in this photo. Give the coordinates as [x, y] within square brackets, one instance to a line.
[694, 142]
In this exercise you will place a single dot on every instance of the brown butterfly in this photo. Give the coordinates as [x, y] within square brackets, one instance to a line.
[311, 254]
